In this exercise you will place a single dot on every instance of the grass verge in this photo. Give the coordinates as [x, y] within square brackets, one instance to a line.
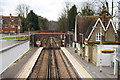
[22, 37]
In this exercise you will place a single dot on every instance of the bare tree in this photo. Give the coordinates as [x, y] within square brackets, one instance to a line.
[22, 10]
[67, 8]
[87, 9]
[99, 5]
[63, 19]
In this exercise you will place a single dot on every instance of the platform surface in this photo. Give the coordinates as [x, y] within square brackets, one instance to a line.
[94, 71]
[78, 67]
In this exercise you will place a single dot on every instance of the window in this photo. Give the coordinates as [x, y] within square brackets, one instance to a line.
[98, 37]
[12, 20]
[12, 31]
[12, 26]
[6, 27]
[6, 32]
[0, 28]
[1, 21]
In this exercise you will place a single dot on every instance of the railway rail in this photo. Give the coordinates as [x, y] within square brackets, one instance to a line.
[53, 64]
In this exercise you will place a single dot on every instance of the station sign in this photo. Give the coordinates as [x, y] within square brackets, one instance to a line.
[107, 51]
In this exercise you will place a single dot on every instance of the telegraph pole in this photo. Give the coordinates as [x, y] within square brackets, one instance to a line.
[112, 8]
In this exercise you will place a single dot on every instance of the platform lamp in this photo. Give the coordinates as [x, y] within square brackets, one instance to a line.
[100, 39]
[69, 38]
[33, 40]
[118, 75]
[100, 45]
[82, 45]
[76, 34]
[64, 40]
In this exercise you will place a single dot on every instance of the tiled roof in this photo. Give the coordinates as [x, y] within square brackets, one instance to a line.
[7, 19]
[85, 24]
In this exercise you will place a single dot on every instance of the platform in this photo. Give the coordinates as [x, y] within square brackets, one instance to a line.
[25, 71]
[78, 67]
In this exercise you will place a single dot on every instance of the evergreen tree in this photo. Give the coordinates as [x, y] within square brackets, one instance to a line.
[62, 23]
[87, 11]
[23, 23]
[71, 17]
[32, 21]
[43, 23]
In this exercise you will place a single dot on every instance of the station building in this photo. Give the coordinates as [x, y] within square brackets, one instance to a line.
[95, 34]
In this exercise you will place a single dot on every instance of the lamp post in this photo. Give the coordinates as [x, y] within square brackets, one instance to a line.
[100, 47]
[33, 39]
[64, 40]
[69, 38]
[82, 45]
[115, 56]
[76, 29]
[118, 75]
[76, 33]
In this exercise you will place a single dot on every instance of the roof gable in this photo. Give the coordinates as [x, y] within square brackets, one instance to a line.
[85, 24]
[7, 19]
[111, 22]
[99, 20]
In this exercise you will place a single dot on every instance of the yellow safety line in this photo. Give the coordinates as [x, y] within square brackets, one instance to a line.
[89, 76]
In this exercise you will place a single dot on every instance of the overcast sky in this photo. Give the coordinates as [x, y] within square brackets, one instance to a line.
[50, 9]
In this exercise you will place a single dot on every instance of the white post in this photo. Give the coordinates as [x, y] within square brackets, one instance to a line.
[76, 34]
[64, 40]
[82, 45]
[115, 67]
[115, 61]
[76, 29]
[82, 40]
[33, 39]
[100, 47]
[69, 39]
[82, 48]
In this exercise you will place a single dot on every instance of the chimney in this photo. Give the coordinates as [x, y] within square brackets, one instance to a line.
[10, 15]
[103, 15]
[103, 18]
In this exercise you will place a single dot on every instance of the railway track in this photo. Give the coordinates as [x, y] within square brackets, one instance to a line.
[52, 64]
